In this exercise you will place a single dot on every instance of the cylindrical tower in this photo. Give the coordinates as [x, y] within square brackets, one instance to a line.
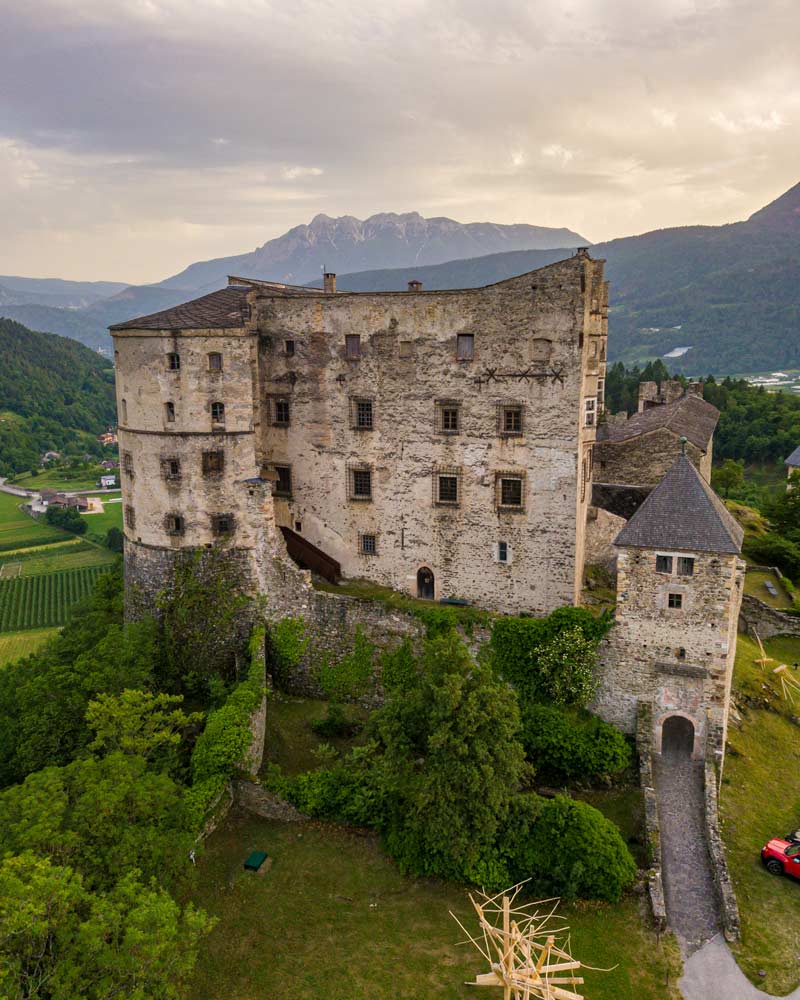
[186, 437]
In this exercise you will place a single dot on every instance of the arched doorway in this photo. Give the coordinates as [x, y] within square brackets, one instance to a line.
[677, 736]
[425, 584]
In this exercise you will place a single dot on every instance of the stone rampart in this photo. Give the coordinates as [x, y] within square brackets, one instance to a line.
[644, 743]
[729, 910]
[602, 527]
[755, 616]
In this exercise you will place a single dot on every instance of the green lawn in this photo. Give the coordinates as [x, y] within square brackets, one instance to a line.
[334, 918]
[64, 479]
[15, 645]
[290, 740]
[98, 524]
[20, 530]
[754, 582]
[761, 799]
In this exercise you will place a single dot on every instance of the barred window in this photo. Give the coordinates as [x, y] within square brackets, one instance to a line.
[510, 419]
[283, 487]
[675, 601]
[217, 413]
[447, 487]
[685, 566]
[213, 463]
[448, 416]
[663, 564]
[352, 346]
[368, 545]
[171, 468]
[510, 490]
[465, 347]
[127, 463]
[215, 362]
[222, 524]
[169, 412]
[173, 524]
[130, 516]
[361, 414]
[279, 411]
[359, 482]
[174, 362]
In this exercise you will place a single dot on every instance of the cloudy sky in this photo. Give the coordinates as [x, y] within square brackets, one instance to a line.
[137, 136]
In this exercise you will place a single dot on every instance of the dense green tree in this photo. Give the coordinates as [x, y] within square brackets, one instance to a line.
[729, 476]
[115, 540]
[67, 518]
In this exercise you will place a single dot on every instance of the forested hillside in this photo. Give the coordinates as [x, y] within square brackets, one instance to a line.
[54, 394]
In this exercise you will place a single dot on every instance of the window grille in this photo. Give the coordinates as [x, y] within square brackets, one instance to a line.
[465, 347]
[352, 346]
[685, 566]
[510, 419]
[663, 564]
[215, 362]
[448, 416]
[171, 468]
[217, 413]
[173, 524]
[213, 463]
[447, 487]
[130, 516]
[280, 411]
[169, 410]
[510, 491]
[359, 482]
[283, 487]
[127, 464]
[675, 601]
[368, 545]
[174, 362]
[222, 524]
[361, 414]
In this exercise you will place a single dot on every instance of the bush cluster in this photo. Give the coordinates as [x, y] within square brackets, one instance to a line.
[566, 746]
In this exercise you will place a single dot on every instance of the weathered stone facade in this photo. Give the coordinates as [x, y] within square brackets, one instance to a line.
[469, 417]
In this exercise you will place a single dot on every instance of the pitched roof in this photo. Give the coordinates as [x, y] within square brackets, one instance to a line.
[794, 458]
[223, 309]
[690, 417]
[683, 513]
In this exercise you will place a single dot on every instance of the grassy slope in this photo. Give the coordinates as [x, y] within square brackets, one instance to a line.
[98, 524]
[334, 918]
[754, 584]
[761, 798]
[17, 528]
[15, 645]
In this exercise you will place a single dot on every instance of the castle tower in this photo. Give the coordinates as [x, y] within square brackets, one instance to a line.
[679, 588]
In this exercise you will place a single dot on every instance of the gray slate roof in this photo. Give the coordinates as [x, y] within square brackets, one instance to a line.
[222, 309]
[690, 417]
[794, 458]
[683, 513]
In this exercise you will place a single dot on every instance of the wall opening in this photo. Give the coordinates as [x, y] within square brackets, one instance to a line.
[425, 584]
[677, 736]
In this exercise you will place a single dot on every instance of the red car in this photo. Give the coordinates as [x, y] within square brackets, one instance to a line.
[781, 857]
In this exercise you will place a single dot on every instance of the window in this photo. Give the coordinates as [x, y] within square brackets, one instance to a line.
[169, 412]
[601, 393]
[448, 416]
[171, 468]
[663, 564]
[584, 477]
[174, 362]
[352, 346]
[685, 566]
[222, 524]
[283, 487]
[359, 482]
[289, 348]
[447, 489]
[217, 413]
[675, 600]
[509, 419]
[465, 347]
[680, 653]
[510, 491]
[280, 410]
[361, 415]
[173, 524]
[215, 362]
[368, 545]
[589, 411]
[406, 349]
[130, 516]
[502, 552]
[127, 463]
[123, 405]
[213, 463]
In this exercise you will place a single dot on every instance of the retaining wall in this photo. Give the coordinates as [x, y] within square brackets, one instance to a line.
[644, 743]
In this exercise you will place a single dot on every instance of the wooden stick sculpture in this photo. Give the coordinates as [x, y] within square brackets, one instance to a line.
[763, 660]
[519, 944]
[789, 684]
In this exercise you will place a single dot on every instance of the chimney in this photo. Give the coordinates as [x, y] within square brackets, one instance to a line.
[329, 282]
[415, 286]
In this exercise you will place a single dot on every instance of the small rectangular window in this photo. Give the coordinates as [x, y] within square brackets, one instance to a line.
[509, 419]
[283, 487]
[448, 416]
[173, 524]
[368, 545]
[675, 600]
[124, 408]
[213, 463]
[171, 468]
[289, 348]
[685, 566]
[217, 413]
[465, 347]
[130, 516]
[352, 346]
[174, 362]
[590, 411]
[361, 414]
[502, 552]
[222, 524]
[280, 411]
[169, 412]
[601, 393]
[127, 464]
[360, 483]
[447, 492]
[215, 362]
[663, 564]
[510, 492]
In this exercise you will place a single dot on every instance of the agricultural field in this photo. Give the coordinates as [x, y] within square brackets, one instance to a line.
[15, 645]
[20, 531]
[64, 479]
[32, 602]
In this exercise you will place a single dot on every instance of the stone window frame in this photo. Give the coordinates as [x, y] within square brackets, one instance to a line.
[174, 524]
[173, 361]
[171, 468]
[123, 405]
[362, 413]
[130, 516]
[368, 543]
[217, 408]
[505, 408]
[285, 489]
[446, 472]
[127, 465]
[212, 462]
[169, 412]
[590, 411]
[501, 502]
[665, 562]
[275, 402]
[215, 362]
[685, 566]
[289, 348]
[355, 482]
[465, 347]
[675, 600]
[503, 553]
[222, 524]
[601, 394]
[443, 416]
[541, 349]
[405, 349]
[352, 347]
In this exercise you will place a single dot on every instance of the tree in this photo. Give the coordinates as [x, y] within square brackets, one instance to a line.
[115, 540]
[66, 518]
[449, 761]
[729, 476]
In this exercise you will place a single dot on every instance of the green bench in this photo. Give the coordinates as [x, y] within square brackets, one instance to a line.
[254, 861]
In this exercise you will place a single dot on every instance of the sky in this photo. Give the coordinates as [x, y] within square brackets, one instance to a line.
[138, 136]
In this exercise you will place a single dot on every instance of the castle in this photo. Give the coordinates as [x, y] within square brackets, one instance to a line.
[442, 443]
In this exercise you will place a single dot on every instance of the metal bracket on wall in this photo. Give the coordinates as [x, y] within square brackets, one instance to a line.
[493, 375]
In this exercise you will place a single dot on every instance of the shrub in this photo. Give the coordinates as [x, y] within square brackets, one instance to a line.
[571, 850]
[115, 540]
[772, 550]
[566, 746]
[335, 725]
[67, 518]
[287, 643]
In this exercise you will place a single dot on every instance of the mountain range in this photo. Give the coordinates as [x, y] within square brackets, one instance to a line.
[721, 299]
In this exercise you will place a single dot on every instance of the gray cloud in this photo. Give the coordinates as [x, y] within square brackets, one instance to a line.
[139, 135]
